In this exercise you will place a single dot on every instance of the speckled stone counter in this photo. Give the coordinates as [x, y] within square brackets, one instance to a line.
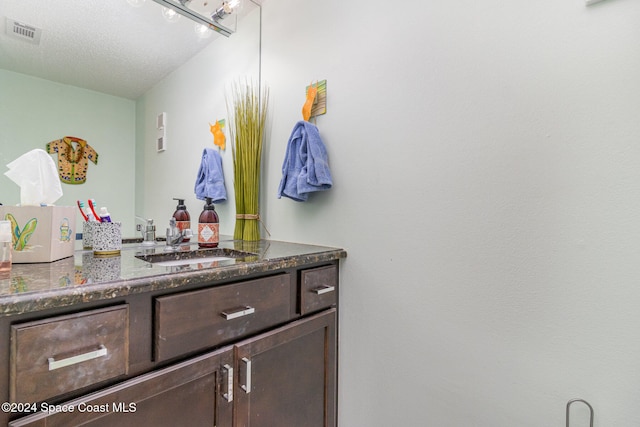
[85, 278]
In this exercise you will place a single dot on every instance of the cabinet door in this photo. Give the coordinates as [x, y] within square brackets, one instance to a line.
[288, 377]
[191, 393]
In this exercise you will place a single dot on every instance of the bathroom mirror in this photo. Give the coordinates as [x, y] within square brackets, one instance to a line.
[103, 71]
[219, 17]
[119, 47]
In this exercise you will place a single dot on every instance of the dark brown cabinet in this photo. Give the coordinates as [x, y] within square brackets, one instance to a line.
[56, 355]
[191, 321]
[259, 353]
[183, 394]
[287, 378]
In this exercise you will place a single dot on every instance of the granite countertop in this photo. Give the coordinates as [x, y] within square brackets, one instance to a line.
[85, 278]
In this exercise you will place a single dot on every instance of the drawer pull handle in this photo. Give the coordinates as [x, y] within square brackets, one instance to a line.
[57, 364]
[238, 312]
[323, 290]
[229, 394]
[247, 383]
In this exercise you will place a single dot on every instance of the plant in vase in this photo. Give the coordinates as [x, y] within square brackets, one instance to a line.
[247, 109]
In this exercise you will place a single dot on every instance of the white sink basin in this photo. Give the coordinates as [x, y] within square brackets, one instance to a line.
[208, 257]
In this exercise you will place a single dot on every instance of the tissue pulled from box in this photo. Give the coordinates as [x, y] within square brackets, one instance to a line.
[36, 175]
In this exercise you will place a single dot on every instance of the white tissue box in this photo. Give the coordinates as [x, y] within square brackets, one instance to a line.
[41, 234]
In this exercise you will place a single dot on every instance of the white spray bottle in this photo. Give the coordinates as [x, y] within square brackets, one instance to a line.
[5, 246]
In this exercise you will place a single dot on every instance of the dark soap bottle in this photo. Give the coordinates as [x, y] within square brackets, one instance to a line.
[208, 226]
[183, 219]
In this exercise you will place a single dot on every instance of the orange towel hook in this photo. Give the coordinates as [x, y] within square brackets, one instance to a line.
[218, 135]
[312, 91]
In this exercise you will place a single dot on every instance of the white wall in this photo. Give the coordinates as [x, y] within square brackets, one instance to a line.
[193, 97]
[34, 112]
[486, 162]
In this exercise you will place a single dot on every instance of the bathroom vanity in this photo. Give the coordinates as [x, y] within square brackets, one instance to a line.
[249, 339]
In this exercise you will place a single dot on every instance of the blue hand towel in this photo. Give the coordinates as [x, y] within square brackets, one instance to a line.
[306, 167]
[210, 180]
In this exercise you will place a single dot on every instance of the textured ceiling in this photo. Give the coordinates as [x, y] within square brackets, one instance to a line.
[104, 45]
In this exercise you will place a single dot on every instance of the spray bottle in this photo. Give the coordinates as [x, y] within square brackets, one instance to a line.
[5, 246]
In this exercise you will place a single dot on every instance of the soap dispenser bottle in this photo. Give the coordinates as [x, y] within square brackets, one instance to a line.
[5, 247]
[183, 219]
[208, 226]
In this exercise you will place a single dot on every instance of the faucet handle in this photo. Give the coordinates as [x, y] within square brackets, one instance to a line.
[174, 235]
[148, 227]
[149, 231]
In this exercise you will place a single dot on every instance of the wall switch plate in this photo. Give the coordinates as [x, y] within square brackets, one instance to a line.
[161, 139]
[161, 121]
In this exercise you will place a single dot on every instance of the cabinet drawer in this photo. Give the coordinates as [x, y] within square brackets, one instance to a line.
[54, 356]
[201, 319]
[318, 288]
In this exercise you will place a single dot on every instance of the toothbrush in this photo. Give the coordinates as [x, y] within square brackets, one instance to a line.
[90, 216]
[93, 209]
[81, 206]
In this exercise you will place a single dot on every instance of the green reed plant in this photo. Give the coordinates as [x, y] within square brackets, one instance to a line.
[247, 110]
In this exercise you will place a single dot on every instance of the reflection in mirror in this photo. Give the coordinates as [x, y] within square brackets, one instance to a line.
[102, 72]
[108, 46]
[220, 17]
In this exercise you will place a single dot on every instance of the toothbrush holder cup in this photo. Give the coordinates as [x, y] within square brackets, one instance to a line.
[87, 235]
[106, 237]
[97, 269]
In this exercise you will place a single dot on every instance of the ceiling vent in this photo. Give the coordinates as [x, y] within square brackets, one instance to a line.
[22, 31]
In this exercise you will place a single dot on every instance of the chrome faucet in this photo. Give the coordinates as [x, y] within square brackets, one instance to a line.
[175, 236]
[149, 232]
